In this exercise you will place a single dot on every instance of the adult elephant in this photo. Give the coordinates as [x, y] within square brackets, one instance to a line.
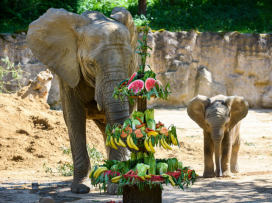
[219, 117]
[90, 54]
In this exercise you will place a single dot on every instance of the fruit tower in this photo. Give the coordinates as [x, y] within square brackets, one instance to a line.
[140, 178]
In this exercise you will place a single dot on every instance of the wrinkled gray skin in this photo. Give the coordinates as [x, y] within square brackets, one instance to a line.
[91, 54]
[219, 117]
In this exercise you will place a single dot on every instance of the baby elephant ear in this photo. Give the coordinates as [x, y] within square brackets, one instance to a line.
[238, 109]
[196, 109]
[53, 40]
[123, 16]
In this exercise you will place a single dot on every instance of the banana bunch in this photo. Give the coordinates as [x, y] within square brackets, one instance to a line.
[99, 171]
[116, 179]
[164, 144]
[130, 143]
[170, 179]
[111, 142]
[148, 145]
[174, 140]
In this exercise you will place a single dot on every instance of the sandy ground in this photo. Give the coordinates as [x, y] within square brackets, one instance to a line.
[252, 184]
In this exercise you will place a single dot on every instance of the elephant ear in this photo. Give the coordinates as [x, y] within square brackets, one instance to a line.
[123, 16]
[238, 109]
[196, 109]
[53, 40]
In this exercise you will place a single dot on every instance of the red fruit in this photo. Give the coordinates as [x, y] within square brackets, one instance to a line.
[150, 83]
[131, 78]
[136, 86]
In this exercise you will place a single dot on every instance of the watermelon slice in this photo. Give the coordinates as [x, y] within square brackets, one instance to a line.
[131, 78]
[124, 82]
[136, 86]
[150, 83]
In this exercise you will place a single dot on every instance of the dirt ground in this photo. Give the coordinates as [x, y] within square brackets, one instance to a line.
[31, 134]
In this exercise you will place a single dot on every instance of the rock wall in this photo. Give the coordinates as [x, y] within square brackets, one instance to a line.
[194, 63]
[15, 47]
[213, 63]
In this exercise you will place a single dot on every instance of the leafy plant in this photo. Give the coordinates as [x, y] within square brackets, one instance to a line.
[47, 169]
[67, 169]
[15, 71]
[250, 144]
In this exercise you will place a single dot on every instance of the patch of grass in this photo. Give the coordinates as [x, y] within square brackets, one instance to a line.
[46, 168]
[250, 144]
[67, 169]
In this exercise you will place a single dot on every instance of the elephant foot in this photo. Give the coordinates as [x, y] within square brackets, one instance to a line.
[235, 169]
[226, 174]
[82, 186]
[208, 174]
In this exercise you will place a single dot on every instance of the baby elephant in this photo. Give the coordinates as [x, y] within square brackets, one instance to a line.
[219, 117]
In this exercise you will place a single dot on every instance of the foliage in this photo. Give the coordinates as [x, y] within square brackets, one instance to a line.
[67, 169]
[15, 71]
[214, 15]
[46, 168]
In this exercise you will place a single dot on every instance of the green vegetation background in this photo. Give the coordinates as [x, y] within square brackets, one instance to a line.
[245, 16]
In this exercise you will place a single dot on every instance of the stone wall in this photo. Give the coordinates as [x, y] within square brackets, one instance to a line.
[15, 47]
[194, 63]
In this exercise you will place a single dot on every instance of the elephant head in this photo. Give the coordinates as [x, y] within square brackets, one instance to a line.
[88, 47]
[217, 116]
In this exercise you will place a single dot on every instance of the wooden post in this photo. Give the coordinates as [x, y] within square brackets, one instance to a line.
[141, 104]
[132, 194]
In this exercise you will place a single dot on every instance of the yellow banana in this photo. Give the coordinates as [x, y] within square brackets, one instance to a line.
[128, 142]
[132, 144]
[116, 178]
[115, 140]
[167, 146]
[116, 181]
[142, 177]
[122, 143]
[146, 145]
[147, 176]
[172, 181]
[91, 173]
[101, 171]
[162, 144]
[112, 143]
[151, 146]
[95, 173]
[107, 142]
[174, 141]
[153, 133]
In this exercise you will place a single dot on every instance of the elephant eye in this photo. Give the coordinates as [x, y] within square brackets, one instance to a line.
[91, 63]
[207, 124]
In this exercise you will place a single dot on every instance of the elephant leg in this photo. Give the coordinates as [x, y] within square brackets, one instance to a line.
[234, 167]
[208, 156]
[75, 119]
[226, 155]
[122, 154]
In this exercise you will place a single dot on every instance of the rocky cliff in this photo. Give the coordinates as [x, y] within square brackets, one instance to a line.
[194, 63]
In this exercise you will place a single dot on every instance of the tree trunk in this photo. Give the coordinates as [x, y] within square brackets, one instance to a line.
[142, 7]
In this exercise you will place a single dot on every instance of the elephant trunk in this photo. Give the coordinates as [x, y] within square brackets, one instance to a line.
[217, 136]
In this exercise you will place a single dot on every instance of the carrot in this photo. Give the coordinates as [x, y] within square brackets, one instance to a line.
[158, 125]
[161, 124]
[139, 126]
[140, 120]
[136, 172]
[146, 130]
[150, 129]
[124, 134]
[138, 133]
[130, 171]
